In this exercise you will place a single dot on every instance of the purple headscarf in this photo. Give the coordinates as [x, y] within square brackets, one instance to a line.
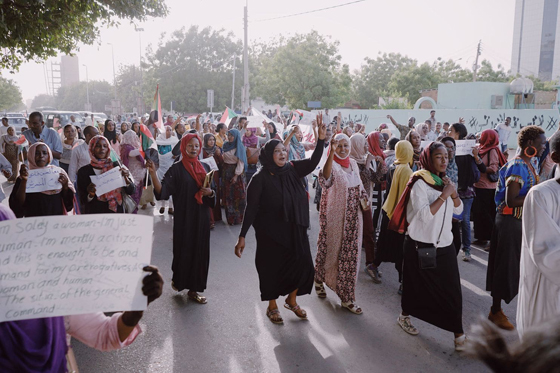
[252, 140]
[36, 345]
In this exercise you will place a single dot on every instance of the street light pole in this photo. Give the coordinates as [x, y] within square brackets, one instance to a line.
[233, 85]
[114, 78]
[87, 89]
[141, 106]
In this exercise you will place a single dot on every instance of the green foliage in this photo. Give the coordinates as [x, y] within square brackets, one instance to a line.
[36, 30]
[73, 98]
[305, 67]
[43, 100]
[486, 73]
[10, 95]
[539, 85]
[129, 87]
[191, 62]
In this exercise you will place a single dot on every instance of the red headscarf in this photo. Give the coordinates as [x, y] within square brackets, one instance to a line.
[373, 141]
[114, 197]
[193, 165]
[344, 162]
[489, 140]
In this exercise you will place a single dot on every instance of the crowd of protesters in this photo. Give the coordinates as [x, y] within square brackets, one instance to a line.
[407, 198]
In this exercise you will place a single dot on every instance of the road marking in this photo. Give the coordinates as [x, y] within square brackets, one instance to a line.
[475, 289]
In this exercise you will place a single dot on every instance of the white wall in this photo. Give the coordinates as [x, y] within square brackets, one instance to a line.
[475, 120]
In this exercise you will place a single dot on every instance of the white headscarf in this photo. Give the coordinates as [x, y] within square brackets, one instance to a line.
[342, 136]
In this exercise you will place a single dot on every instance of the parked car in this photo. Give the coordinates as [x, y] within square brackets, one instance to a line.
[59, 119]
[17, 120]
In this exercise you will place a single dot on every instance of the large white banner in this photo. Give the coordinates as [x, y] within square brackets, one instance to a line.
[67, 265]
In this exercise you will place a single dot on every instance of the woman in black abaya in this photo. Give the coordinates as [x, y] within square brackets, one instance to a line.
[278, 209]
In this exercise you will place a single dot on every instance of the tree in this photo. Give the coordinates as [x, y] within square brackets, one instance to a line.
[374, 76]
[43, 100]
[191, 62]
[10, 95]
[411, 79]
[36, 30]
[305, 67]
[129, 88]
[73, 98]
[486, 73]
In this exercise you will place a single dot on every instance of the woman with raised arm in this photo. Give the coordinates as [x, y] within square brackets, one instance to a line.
[341, 222]
[278, 209]
[192, 200]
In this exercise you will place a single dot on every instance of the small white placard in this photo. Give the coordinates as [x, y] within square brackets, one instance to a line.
[43, 179]
[108, 181]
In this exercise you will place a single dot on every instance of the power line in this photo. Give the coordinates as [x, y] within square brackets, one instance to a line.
[310, 11]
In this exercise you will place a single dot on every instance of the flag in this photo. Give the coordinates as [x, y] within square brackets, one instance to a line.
[148, 142]
[157, 106]
[227, 116]
[21, 140]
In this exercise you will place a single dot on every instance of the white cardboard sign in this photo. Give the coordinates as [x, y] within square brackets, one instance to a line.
[108, 181]
[68, 265]
[43, 179]
[462, 147]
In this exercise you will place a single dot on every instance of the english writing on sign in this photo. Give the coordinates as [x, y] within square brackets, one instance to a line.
[68, 265]
[43, 179]
[108, 181]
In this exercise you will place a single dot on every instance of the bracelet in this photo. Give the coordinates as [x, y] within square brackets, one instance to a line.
[441, 199]
[454, 197]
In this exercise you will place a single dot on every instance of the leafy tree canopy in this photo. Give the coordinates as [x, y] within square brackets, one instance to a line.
[10, 95]
[38, 29]
[300, 69]
[189, 63]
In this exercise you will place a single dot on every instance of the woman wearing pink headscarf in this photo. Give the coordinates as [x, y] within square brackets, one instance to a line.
[132, 158]
[56, 201]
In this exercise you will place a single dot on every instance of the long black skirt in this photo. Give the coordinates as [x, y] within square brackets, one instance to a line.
[433, 295]
[484, 213]
[284, 268]
[389, 246]
[502, 278]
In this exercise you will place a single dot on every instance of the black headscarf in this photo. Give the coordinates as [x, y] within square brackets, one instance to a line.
[273, 134]
[110, 135]
[294, 197]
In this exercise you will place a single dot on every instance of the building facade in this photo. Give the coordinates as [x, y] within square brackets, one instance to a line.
[536, 39]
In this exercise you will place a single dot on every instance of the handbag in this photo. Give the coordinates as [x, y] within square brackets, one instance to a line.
[493, 178]
[427, 254]
[128, 203]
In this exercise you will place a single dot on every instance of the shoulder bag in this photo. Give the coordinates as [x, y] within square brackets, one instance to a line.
[493, 178]
[428, 253]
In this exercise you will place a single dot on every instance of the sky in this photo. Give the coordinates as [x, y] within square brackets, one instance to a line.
[423, 30]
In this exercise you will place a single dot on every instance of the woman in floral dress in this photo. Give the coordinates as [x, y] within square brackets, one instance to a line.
[233, 177]
[341, 224]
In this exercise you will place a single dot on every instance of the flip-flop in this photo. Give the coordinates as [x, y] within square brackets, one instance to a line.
[198, 298]
[271, 313]
[302, 314]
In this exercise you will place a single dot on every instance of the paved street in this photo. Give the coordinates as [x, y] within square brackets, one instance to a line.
[232, 333]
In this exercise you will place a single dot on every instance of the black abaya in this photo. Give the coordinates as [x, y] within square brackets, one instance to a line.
[191, 228]
[40, 204]
[283, 258]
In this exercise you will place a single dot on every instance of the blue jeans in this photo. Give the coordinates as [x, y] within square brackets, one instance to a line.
[466, 224]
[504, 147]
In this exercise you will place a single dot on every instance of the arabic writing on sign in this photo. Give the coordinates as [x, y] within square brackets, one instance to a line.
[43, 179]
[108, 181]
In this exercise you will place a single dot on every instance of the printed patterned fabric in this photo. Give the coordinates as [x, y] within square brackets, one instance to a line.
[234, 195]
[517, 171]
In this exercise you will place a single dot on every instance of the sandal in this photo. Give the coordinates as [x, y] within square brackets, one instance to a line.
[320, 290]
[173, 286]
[197, 297]
[300, 312]
[352, 308]
[170, 211]
[274, 316]
[162, 210]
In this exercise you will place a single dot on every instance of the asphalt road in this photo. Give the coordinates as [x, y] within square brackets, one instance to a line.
[231, 333]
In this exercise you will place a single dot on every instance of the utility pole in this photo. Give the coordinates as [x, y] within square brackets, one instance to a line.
[233, 85]
[114, 78]
[246, 100]
[475, 67]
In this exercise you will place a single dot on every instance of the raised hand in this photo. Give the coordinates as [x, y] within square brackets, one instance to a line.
[322, 131]
[23, 172]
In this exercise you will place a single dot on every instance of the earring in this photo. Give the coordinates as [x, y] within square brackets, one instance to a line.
[530, 155]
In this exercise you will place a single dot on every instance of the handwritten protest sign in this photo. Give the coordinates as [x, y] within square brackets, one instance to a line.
[43, 179]
[68, 265]
[108, 181]
[462, 147]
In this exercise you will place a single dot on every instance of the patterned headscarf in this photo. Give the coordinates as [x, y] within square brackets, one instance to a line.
[114, 197]
[250, 140]
[296, 151]
[373, 142]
